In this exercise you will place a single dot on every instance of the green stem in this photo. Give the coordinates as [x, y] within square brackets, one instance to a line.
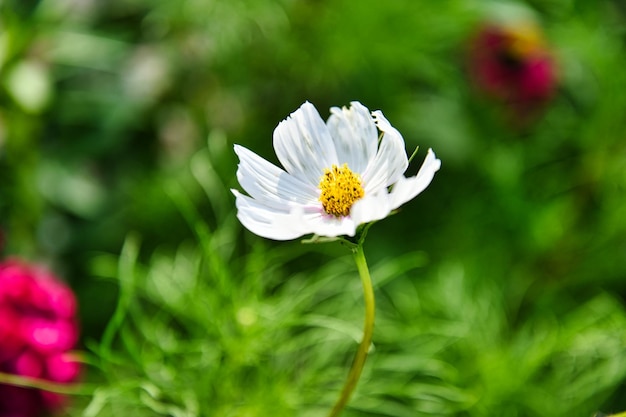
[368, 329]
[26, 382]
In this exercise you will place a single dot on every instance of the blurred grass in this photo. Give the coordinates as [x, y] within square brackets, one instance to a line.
[500, 289]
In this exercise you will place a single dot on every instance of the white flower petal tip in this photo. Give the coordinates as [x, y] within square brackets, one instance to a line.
[336, 175]
[408, 188]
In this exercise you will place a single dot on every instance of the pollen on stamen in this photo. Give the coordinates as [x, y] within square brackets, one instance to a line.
[340, 189]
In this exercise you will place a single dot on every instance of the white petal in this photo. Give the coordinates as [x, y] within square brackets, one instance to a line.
[323, 224]
[303, 144]
[371, 207]
[266, 221]
[407, 188]
[267, 183]
[354, 134]
[290, 223]
[390, 161]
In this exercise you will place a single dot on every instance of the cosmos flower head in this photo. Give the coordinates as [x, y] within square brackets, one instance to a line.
[510, 61]
[38, 329]
[337, 175]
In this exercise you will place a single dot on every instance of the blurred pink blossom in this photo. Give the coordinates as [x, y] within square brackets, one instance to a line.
[512, 63]
[38, 328]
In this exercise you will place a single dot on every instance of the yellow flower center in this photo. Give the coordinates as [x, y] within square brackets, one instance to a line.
[340, 189]
[524, 40]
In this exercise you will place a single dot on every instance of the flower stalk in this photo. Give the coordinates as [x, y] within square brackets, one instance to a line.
[44, 385]
[368, 330]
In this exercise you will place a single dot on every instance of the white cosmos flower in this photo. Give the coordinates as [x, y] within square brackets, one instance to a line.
[336, 176]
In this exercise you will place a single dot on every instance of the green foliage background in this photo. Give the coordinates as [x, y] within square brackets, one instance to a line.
[500, 289]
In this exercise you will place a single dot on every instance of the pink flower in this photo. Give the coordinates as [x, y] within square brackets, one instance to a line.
[38, 328]
[512, 63]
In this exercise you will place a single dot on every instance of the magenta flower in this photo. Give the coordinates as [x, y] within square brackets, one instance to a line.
[512, 63]
[38, 328]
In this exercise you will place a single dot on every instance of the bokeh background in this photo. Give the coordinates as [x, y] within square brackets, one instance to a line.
[500, 289]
